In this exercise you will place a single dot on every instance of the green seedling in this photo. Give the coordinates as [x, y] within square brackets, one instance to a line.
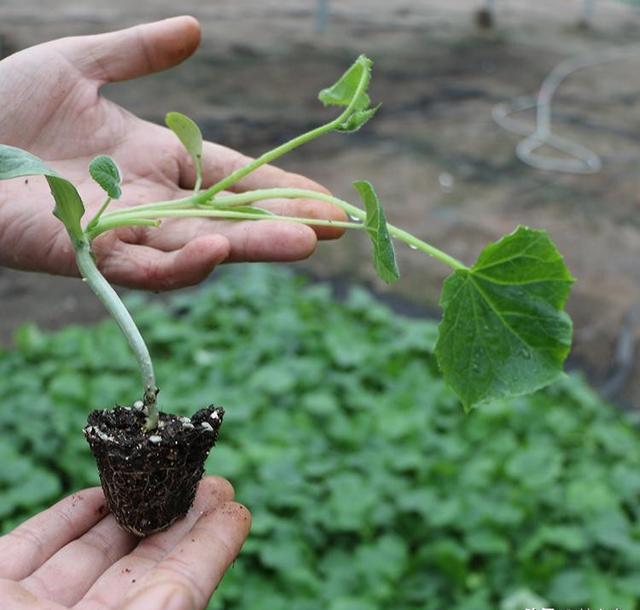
[504, 331]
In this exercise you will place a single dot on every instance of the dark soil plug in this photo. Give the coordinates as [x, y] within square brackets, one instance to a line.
[150, 479]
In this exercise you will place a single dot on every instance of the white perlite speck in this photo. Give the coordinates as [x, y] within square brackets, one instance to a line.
[103, 435]
[187, 424]
[138, 404]
[206, 426]
[214, 416]
[184, 420]
[155, 439]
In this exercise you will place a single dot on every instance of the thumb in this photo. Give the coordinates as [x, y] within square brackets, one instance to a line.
[135, 51]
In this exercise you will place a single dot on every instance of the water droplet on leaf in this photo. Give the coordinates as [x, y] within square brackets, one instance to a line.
[477, 364]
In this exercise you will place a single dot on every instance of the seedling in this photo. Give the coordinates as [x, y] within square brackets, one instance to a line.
[503, 332]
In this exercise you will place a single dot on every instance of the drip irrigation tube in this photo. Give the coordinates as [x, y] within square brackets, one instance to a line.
[322, 15]
[581, 159]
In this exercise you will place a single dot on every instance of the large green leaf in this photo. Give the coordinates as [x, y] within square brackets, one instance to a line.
[384, 258]
[504, 331]
[15, 162]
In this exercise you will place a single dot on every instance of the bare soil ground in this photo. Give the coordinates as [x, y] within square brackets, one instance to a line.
[441, 165]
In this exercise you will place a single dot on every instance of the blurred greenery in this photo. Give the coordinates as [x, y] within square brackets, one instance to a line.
[369, 487]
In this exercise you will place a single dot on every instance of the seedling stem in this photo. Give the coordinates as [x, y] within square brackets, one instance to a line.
[113, 304]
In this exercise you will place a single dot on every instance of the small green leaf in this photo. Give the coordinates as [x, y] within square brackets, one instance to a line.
[191, 137]
[384, 258]
[504, 331]
[69, 208]
[341, 93]
[105, 172]
[351, 90]
[15, 162]
[357, 119]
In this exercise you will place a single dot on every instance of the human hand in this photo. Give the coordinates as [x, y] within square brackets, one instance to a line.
[73, 556]
[49, 96]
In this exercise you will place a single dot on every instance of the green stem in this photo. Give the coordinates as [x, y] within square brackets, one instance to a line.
[351, 210]
[115, 221]
[185, 202]
[267, 157]
[198, 184]
[103, 207]
[111, 300]
[272, 155]
[185, 208]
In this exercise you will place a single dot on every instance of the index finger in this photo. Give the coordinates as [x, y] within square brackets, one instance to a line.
[187, 577]
[26, 548]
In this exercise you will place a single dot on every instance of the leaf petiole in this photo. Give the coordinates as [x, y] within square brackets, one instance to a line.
[115, 221]
[185, 208]
[352, 210]
[94, 221]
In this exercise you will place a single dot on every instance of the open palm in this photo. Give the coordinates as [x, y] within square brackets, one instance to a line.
[51, 106]
[73, 556]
